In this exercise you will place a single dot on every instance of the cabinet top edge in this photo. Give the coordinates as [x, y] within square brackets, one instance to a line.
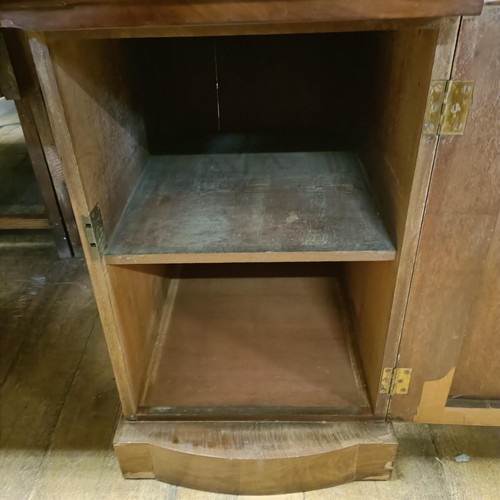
[73, 15]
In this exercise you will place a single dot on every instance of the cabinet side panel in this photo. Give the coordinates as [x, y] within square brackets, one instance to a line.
[82, 196]
[139, 297]
[95, 79]
[453, 310]
[378, 290]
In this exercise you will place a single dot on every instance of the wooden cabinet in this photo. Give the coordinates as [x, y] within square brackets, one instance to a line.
[257, 212]
[451, 336]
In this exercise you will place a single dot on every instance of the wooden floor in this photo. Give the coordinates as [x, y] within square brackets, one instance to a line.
[59, 407]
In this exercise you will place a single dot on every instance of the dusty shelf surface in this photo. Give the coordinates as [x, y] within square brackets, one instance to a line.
[252, 207]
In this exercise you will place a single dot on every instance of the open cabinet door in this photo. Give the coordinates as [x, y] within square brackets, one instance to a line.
[451, 333]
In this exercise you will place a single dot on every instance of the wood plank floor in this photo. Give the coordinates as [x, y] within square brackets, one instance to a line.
[59, 407]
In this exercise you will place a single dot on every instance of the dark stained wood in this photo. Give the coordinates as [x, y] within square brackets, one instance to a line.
[46, 15]
[255, 458]
[297, 83]
[453, 300]
[54, 165]
[194, 87]
[245, 342]
[42, 175]
[176, 79]
[43, 155]
[251, 207]
[464, 402]
[8, 83]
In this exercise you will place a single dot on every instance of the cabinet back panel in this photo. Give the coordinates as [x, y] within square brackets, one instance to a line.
[258, 84]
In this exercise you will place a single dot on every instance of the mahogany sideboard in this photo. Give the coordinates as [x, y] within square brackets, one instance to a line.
[290, 215]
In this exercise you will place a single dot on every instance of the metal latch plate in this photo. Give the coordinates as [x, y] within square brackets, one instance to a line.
[94, 231]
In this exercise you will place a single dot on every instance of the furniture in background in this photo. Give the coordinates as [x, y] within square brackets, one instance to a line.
[18, 82]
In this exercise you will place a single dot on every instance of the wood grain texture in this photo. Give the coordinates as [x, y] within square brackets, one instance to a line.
[482, 338]
[391, 155]
[228, 350]
[482, 335]
[417, 473]
[183, 31]
[458, 255]
[24, 221]
[94, 80]
[302, 203]
[86, 422]
[47, 315]
[46, 15]
[138, 295]
[255, 458]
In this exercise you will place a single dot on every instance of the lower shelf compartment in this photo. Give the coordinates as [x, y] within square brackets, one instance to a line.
[261, 347]
[255, 458]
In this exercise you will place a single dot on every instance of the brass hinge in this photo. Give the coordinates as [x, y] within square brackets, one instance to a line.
[448, 105]
[94, 231]
[395, 381]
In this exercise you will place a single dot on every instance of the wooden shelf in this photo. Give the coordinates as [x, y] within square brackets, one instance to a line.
[259, 207]
[234, 348]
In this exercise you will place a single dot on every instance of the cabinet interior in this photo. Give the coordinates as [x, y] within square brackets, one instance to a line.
[254, 194]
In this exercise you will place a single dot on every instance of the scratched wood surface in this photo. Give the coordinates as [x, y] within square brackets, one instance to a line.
[266, 457]
[58, 417]
[316, 203]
